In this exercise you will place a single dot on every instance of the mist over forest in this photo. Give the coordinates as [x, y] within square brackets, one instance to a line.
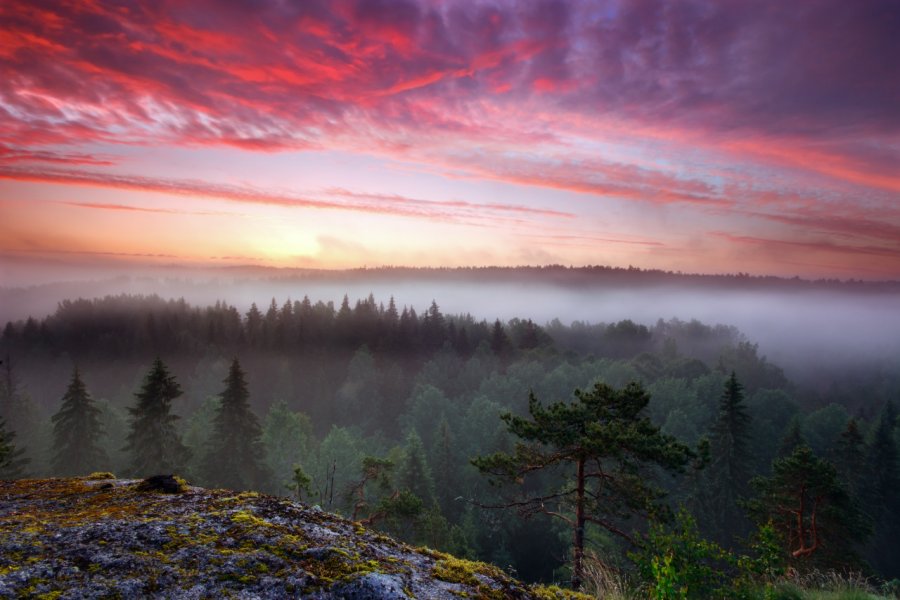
[376, 392]
[812, 329]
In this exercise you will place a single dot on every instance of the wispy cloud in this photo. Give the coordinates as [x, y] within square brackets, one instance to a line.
[451, 210]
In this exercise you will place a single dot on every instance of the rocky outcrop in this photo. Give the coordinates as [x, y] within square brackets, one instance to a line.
[101, 537]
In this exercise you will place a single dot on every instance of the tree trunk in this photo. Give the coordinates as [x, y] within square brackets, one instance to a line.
[578, 542]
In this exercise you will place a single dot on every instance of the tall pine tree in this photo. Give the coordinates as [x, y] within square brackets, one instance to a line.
[235, 458]
[607, 439]
[153, 441]
[76, 431]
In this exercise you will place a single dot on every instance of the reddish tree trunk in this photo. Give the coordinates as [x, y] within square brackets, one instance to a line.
[578, 541]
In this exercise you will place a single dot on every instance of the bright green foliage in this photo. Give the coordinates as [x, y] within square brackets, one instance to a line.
[608, 439]
[682, 564]
[666, 583]
[810, 509]
[76, 431]
[235, 454]
[153, 441]
[768, 560]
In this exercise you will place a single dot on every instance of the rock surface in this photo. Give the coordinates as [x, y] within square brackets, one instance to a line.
[100, 537]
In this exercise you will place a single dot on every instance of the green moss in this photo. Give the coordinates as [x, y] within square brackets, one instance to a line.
[553, 592]
[454, 570]
[244, 517]
[98, 475]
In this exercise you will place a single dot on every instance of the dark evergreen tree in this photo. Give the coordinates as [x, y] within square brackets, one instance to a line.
[77, 430]
[153, 442]
[884, 468]
[609, 440]
[726, 479]
[235, 458]
[500, 344]
[12, 458]
[850, 461]
[12, 463]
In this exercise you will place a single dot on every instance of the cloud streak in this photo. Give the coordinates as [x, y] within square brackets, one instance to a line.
[451, 210]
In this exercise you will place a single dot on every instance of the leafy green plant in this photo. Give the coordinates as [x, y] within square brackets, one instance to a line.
[667, 579]
[677, 560]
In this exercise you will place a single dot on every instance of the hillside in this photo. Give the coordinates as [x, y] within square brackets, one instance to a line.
[99, 537]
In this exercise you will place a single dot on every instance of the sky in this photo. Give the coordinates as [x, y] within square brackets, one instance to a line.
[756, 136]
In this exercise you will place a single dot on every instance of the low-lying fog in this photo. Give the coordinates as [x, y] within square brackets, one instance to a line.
[808, 331]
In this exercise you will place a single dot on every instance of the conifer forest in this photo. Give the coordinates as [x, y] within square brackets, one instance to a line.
[665, 454]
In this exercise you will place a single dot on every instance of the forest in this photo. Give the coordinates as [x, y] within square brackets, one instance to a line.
[672, 455]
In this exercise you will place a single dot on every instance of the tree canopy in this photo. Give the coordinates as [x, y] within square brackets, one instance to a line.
[606, 437]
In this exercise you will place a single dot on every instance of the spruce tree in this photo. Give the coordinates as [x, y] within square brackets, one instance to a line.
[729, 471]
[11, 461]
[153, 442]
[76, 431]
[850, 461]
[884, 467]
[12, 458]
[235, 458]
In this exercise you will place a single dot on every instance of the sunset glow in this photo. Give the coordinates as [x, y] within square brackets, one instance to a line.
[701, 136]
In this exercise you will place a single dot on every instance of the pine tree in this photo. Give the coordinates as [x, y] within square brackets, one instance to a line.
[153, 442]
[728, 475]
[235, 458]
[606, 436]
[76, 431]
[817, 521]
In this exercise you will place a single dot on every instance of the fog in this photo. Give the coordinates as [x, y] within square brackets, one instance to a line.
[809, 330]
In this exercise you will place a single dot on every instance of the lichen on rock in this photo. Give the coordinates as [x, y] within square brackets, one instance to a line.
[98, 537]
